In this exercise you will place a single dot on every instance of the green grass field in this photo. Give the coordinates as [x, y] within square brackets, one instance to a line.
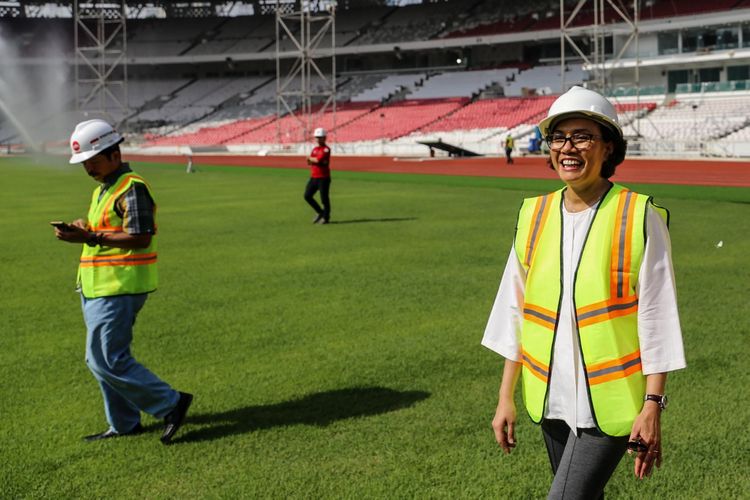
[338, 361]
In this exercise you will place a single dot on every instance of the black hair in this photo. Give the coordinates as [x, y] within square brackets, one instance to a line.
[111, 150]
[617, 155]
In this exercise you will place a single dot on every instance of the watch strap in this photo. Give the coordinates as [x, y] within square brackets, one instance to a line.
[658, 399]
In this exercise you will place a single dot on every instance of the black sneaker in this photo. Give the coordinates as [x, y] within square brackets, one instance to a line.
[176, 417]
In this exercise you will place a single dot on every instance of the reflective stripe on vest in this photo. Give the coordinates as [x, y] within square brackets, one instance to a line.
[106, 271]
[606, 304]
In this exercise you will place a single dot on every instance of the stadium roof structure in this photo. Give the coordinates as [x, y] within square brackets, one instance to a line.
[139, 9]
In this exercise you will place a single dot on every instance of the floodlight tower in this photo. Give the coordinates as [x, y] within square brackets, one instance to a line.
[303, 27]
[101, 67]
[596, 34]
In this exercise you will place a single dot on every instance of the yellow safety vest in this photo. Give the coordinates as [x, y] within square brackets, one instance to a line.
[605, 301]
[105, 271]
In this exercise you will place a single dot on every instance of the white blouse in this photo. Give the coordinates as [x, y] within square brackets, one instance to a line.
[659, 331]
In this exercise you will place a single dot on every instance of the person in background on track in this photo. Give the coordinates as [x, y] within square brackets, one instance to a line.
[320, 178]
[117, 271]
[586, 312]
[509, 149]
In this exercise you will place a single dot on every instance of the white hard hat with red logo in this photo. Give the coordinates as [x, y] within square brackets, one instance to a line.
[91, 138]
[319, 132]
[584, 103]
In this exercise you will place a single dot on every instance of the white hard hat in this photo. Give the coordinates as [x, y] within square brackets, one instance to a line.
[319, 132]
[91, 138]
[581, 102]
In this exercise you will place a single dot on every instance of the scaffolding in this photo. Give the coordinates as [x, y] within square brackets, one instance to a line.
[590, 40]
[302, 30]
[101, 73]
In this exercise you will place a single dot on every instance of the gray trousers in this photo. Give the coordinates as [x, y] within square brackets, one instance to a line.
[582, 463]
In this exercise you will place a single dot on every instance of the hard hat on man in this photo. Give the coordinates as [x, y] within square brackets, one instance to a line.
[90, 138]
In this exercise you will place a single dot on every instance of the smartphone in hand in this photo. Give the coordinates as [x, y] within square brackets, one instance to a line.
[62, 226]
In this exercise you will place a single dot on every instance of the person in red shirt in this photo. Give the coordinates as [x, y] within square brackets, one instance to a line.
[320, 178]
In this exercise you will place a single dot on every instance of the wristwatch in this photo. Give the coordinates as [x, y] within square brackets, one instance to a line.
[661, 400]
[92, 240]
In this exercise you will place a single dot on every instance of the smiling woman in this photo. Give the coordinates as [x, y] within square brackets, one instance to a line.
[588, 284]
[578, 151]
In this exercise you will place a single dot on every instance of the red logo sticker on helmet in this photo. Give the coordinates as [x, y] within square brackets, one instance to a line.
[76, 147]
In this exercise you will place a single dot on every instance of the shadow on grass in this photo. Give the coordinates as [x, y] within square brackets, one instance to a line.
[321, 409]
[359, 221]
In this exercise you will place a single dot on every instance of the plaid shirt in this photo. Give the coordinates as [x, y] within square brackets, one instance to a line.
[135, 206]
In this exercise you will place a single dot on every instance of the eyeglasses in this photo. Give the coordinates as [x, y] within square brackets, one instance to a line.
[580, 141]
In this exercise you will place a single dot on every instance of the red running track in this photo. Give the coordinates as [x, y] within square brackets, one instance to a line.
[646, 171]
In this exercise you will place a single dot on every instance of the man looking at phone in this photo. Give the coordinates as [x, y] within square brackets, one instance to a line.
[117, 271]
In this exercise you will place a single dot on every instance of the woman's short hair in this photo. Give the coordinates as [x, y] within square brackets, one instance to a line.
[617, 155]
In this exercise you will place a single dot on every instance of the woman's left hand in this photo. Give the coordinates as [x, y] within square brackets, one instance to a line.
[647, 430]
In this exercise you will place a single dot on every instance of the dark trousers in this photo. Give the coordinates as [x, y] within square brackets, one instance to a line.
[323, 185]
[582, 463]
[508, 157]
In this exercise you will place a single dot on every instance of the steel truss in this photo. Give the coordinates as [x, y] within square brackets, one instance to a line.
[101, 70]
[595, 59]
[305, 25]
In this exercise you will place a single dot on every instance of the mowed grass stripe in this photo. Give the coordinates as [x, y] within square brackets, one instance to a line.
[335, 361]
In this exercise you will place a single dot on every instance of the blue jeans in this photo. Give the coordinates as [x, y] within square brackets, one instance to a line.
[127, 386]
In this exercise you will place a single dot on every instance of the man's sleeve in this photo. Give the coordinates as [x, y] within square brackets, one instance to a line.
[325, 157]
[136, 207]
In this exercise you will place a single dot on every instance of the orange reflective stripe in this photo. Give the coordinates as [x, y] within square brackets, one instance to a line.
[621, 245]
[541, 211]
[107, 229]
[536, 367]
[108, 207]
[118, 260]
[116, 193]
[616, 248]
[617, 368]
[605, 310]
[540, 315]
[628, 253]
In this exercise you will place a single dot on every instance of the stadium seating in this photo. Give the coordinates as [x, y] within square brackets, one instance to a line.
[236, 35]
[264, 129]
[542, 79]
[460, 83]
[389, 85]
[411, 22]
[493, 113]
[224, 104]
[533, 16]
[292, 130]
[212, 135]
[398, 119]
[142, 91]
[693, 119]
